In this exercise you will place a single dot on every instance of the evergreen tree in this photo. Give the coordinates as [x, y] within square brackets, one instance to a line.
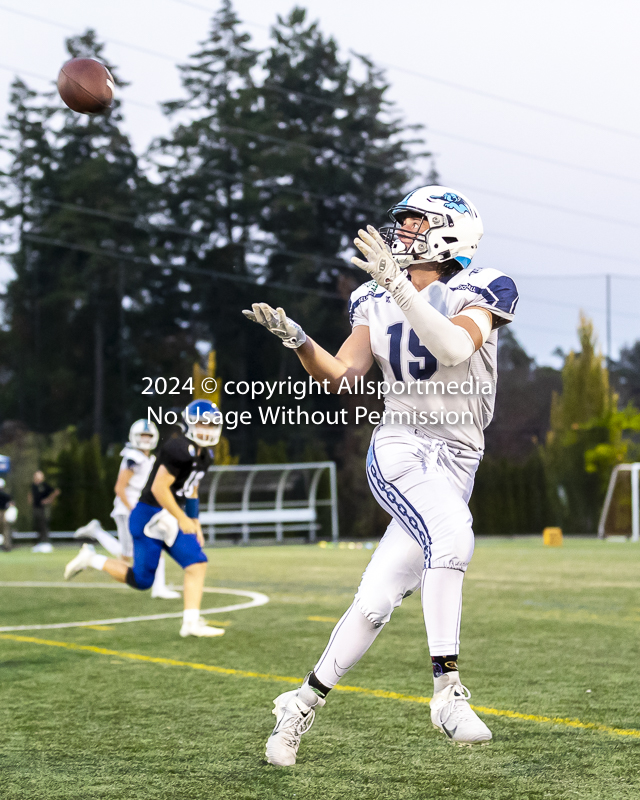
[523, 401]
[625, 374]
[578, 424]
[25, 189]
[341, 151]
[208, 200]
[74, 188]
[290, 154]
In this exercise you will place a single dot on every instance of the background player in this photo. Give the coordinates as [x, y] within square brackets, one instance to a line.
[41, 497]
[424, 319]
[166, 517]
[137, 463]
[8, 515]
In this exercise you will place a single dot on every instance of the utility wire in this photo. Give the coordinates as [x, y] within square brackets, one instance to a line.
[543, 159]
[468, 89]
[454, 136]
[146, 224]
[72, 29]
[593, 309]
[575, 250]
[145, 262]
[516, 103]
[380, 209]
[548, 206]
[254, 248]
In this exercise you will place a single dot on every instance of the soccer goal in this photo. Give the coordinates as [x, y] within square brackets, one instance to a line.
[621, 510]
[274, 499]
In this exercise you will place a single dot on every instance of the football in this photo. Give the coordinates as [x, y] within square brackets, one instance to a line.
[86, 86]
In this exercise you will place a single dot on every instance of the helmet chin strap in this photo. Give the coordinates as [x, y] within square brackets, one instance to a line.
[414, 262]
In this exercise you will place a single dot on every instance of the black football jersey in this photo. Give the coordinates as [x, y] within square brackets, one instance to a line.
[186, 461]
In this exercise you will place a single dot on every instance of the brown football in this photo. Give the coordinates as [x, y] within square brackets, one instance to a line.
[86, 86]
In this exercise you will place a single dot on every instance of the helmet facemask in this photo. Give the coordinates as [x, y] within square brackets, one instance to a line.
[204, 434]
[143, 435]
[412, 247]
[203, 420]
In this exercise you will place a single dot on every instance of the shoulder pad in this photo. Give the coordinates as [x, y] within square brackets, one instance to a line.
[363, 293]
[476, 277]
[492, 287]
[132, 454]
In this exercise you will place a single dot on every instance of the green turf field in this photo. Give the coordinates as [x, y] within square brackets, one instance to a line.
[550, 634]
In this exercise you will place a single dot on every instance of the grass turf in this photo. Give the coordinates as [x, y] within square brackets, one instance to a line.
[546, 632]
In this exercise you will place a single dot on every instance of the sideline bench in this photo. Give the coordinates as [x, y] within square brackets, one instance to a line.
[278, 514]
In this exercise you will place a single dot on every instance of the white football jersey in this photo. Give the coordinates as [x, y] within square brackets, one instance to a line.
[141, 465]
[450, 403]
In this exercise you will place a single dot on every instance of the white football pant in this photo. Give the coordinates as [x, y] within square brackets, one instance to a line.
[425, 486]
[126, 541]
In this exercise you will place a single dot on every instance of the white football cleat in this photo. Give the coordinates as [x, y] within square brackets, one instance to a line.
[200, 628]
[164, 593]
[88, 531]
[80, 562]
[43, 547]
[294, 717]
[452, 714]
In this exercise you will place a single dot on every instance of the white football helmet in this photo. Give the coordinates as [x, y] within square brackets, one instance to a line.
[140, 428]
[455, 228]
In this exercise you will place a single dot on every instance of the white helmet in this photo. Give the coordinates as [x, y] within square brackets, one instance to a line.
[142, 427]
[455, 228]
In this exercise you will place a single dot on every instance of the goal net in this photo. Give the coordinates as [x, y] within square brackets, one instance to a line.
[621, 510]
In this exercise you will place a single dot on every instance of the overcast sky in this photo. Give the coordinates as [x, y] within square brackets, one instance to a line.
[530, 109]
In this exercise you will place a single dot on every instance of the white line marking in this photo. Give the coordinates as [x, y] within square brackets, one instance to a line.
[60, 585]
[256, 599]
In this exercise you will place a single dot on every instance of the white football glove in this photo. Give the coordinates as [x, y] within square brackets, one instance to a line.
[278, 323]
[380, 264]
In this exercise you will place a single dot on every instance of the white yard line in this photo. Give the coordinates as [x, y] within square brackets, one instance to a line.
[255, 599]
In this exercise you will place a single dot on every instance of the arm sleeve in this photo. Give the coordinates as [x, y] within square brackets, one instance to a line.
[449, 343]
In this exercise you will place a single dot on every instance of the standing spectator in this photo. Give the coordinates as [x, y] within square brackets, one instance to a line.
[6, 503]
[41, 496]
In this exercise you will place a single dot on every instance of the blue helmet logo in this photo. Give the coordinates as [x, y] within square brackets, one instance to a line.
[453, 201]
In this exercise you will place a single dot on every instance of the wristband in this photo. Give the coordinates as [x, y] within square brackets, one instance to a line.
[192, 507]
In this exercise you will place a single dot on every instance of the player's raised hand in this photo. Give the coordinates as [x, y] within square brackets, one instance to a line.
[380, 264]
[278, 323]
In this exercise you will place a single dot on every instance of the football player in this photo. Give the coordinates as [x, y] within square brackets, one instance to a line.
[137, 463]
[166, 517]
[430, 322]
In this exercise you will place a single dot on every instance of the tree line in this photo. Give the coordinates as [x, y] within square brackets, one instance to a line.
[136, 265]
[128, 266]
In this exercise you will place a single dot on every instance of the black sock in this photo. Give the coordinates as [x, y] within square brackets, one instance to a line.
[443, 664]
[319, 688]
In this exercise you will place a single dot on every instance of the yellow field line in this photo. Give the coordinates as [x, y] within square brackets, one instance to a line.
[241, 673]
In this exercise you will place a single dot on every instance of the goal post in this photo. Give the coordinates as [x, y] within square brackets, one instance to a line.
[621, 510]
